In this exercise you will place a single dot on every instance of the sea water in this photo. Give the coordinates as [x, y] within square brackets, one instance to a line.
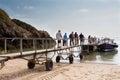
[112, 57]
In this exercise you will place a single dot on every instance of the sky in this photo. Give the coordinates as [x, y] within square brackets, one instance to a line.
[90, 17]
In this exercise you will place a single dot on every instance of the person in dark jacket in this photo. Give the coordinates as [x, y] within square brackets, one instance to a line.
[82, 38]
[71, 36]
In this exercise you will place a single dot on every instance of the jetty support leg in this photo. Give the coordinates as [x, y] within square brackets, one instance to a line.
[2, 64]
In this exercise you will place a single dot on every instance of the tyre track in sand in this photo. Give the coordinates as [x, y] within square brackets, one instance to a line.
[17, 74]
[48, 75]
[17, 70]
[38, 72]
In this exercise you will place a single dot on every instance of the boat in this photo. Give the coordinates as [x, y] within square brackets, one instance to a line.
[107, 44]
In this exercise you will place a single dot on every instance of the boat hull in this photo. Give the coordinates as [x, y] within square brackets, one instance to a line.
[107, 47]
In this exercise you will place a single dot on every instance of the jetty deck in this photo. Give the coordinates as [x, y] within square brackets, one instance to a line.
[29, 53]
[37, 53]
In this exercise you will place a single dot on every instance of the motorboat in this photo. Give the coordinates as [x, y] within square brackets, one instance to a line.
[107, 44]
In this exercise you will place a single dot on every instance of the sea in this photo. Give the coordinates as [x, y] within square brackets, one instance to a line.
[112, 57]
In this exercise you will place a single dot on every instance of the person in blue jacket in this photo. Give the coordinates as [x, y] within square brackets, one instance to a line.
[65, 39]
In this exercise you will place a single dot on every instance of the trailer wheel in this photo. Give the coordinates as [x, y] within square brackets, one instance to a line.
[58, 59]
[31, 64]
[49, 65]
[70, 59]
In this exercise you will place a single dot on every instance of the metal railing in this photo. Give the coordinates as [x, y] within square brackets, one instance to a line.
[11, 45]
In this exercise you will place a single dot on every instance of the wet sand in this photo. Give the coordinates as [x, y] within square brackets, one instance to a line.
[17, 70]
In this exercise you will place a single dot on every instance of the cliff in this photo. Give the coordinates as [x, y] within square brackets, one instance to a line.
[13, 28]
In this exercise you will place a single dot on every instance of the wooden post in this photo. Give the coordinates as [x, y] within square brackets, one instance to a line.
[46, 48]
[5, 47]
[34, 45]
[21, 46]
[43, 45]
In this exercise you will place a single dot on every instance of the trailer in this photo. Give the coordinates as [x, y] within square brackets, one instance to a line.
[37, 51]
[35, 56]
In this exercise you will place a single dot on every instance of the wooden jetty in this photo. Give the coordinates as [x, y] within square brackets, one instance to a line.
[88, 48]
[37, 56]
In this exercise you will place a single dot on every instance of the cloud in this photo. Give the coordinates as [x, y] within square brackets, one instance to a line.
[83, 10]
[28, 7]
[25, 7]
[106, 0]
[80, 11]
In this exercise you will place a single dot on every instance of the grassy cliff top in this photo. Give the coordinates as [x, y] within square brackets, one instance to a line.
[4, 16]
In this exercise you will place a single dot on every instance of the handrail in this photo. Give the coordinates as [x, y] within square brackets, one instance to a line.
[44, 42]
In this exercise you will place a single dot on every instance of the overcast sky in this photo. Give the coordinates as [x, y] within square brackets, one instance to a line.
[91, 17]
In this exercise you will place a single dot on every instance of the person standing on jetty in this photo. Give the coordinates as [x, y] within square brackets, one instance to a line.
[59, 38]
[65, 39]
[76, 38]
[71, 36]
[81, 36]
[89, 39]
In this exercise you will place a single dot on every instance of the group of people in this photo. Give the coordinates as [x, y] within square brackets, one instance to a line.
[74, 38]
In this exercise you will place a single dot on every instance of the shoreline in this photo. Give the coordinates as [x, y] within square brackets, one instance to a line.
[17, 70]
[102, 63]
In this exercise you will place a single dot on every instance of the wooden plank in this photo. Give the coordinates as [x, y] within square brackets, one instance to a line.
[30, 53]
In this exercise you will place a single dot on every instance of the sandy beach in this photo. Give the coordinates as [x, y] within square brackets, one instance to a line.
[17, 70]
